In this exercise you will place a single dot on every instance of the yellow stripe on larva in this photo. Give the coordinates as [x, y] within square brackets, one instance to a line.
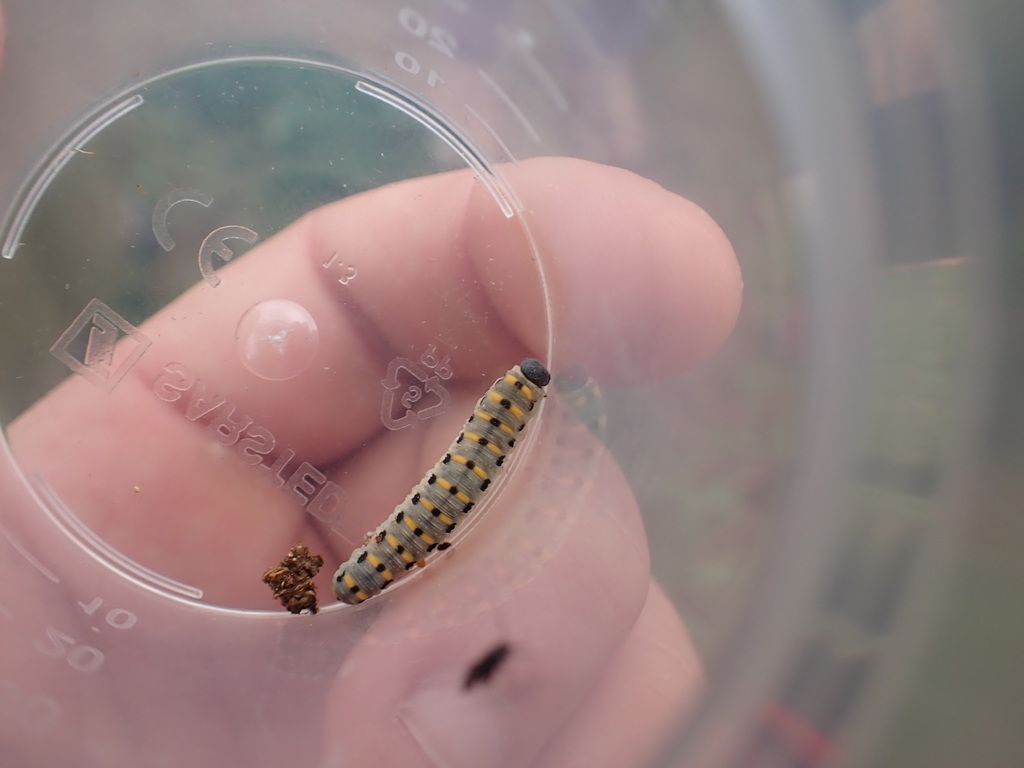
[395, 544]
[500, 425]
[427, 504]
[515, 410]
[351, 583]
[461, 496]
[478, 471]
[376, 562]
[475, 438]
[413, 526]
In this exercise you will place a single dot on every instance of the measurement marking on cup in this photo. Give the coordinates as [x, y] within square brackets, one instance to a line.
[503, 95]
[60, 645]
[525, 43]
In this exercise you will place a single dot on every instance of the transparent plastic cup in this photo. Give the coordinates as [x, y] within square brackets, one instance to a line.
[797, 489]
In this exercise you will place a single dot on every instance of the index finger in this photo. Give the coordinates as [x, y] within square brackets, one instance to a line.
[611, 271]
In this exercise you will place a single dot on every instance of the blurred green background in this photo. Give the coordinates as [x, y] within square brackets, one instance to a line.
[966, 706]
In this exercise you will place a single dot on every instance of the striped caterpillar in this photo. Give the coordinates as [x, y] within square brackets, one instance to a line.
[432, 510]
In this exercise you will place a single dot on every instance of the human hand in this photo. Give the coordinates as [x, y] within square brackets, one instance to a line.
[642, 285]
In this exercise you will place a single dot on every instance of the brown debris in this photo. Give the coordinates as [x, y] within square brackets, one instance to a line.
[292, 580]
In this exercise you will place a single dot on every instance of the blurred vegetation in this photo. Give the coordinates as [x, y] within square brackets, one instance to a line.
[967, 702]
[267, 141]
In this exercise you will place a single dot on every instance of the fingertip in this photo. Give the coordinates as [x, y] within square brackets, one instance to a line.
[650, 685]
[643, 283]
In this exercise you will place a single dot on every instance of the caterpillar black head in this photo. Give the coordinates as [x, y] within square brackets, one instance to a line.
[535, 371]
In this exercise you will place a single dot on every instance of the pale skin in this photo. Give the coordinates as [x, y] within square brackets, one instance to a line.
[670, 291]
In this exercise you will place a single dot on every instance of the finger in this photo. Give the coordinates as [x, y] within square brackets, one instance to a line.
[643, 283]
[382, 275]
[649, 685]
[404, 685]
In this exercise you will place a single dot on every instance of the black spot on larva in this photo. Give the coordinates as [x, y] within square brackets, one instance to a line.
[436, 512]
[467, 508]
[399, 550]
[386, 584]
[418, 531]
[505, 403]
[431, 547]
[380, 567]
[415, 499]
[409, 565]
[483, 441]
[471, 464]
[381, 535]
[484, 485]
[401, 515]
[432, 479]
[450, 528]
[340, 577]
[512, 443]
[495, 422]
[454, 490]
[447, 459]
[362, 557]
[535, 371]
[354, 589]
[499, 461]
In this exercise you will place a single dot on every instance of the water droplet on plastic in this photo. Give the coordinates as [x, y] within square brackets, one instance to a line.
[277, 339]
